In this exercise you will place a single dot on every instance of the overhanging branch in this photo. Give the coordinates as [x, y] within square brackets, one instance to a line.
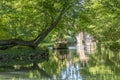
[41, 36]
[5, 44]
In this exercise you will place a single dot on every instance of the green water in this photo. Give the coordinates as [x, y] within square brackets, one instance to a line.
[67, 65]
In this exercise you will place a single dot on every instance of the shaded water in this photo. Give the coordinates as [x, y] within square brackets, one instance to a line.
[72, 64]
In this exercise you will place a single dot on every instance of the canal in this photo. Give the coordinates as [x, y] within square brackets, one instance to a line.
[67, 64]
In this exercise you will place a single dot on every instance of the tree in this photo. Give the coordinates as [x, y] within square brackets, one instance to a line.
[22, 21]
[40, 16]
[104, 16]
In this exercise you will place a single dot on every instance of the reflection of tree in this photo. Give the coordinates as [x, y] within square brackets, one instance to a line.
[43, 70]
[61, 54]
[104, 66]
[43, 73]
[26, 72]
[53, 66]
[18, 56]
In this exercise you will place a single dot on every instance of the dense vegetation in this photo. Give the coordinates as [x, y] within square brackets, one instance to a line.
[30, 22]
[27, 24]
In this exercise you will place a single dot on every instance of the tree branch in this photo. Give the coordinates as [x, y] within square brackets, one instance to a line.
[41, 36]
[5, 44]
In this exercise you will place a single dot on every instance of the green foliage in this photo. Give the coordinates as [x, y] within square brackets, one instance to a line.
[115, 46]
[26, 19]
[103, 66]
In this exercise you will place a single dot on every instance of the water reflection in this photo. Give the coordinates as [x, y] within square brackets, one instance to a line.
[83, 58]
[61, 54]
[31, 72]
[76, 60]
[71, 69]
[68, 64]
